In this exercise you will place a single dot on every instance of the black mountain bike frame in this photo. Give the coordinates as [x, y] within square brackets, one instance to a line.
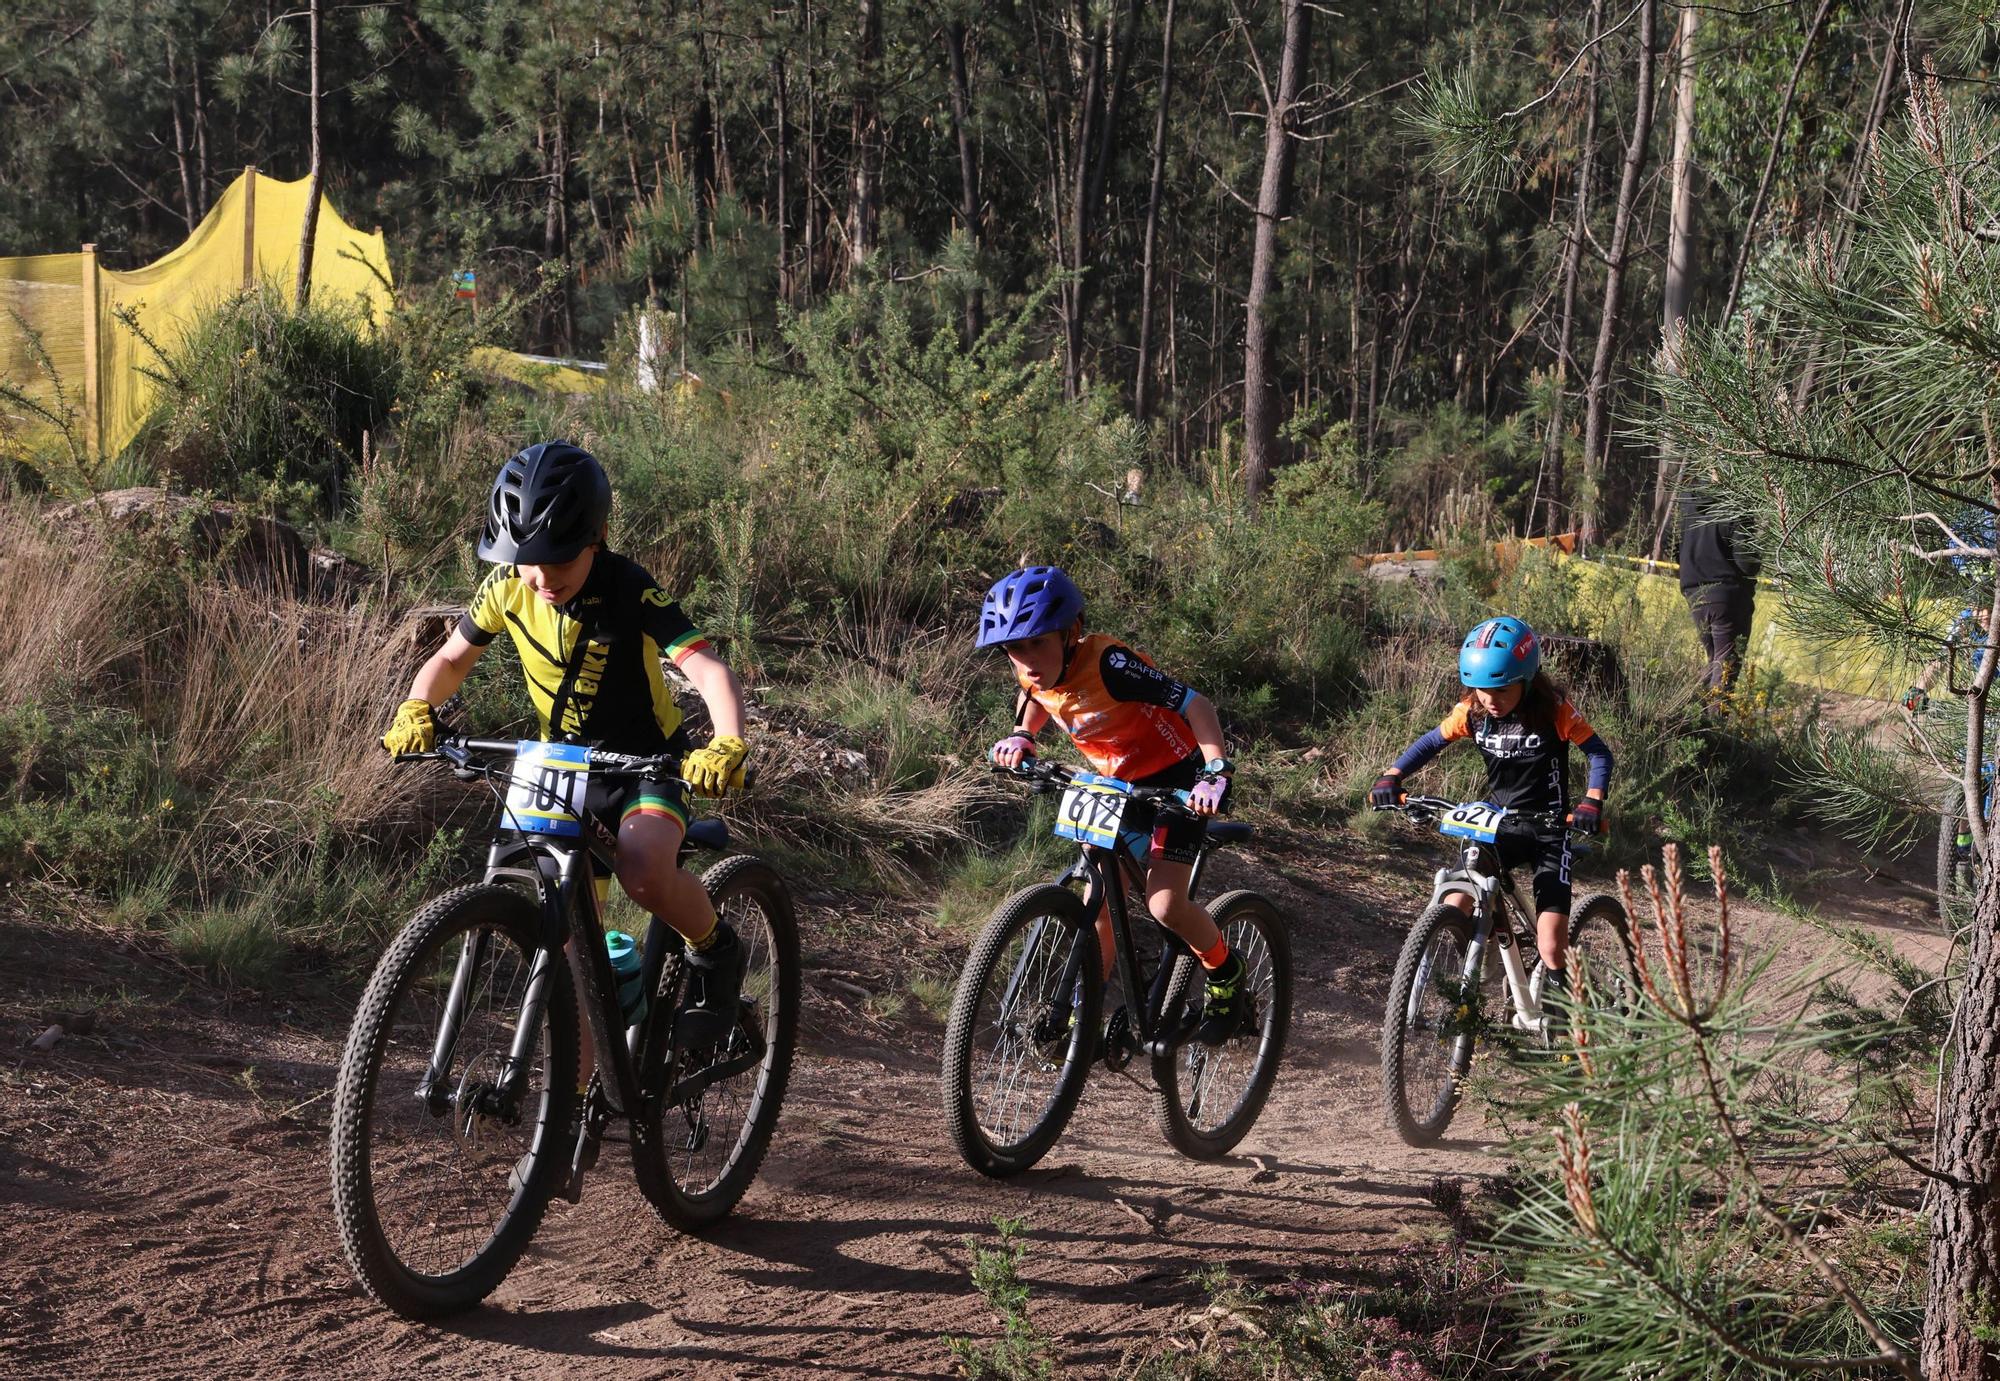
[1100, 871]
[565, 873]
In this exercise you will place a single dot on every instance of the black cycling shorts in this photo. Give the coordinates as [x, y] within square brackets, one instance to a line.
[1548, 854]
[1149, 835]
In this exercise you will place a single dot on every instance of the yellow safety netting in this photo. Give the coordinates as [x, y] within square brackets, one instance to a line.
[94, 375]
[1617, 592]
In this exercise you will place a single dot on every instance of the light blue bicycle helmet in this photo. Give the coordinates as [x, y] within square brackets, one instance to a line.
[1028, 602]
[1499, 652]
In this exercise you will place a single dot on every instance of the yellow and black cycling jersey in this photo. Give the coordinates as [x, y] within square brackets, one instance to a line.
[593, 664]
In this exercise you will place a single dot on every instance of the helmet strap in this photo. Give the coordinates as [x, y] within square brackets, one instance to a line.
[1072, 639]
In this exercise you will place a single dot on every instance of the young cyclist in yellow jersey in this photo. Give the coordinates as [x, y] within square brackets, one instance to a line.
[1131, 721]
[1523, 725]
[591, 627]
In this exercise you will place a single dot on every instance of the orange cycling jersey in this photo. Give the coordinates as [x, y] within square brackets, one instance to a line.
[1125, 715]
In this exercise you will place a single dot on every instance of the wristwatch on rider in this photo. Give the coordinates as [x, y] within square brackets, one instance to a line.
[1217, 767]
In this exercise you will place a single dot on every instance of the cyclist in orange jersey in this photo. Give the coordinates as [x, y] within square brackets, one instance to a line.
[1132, 721]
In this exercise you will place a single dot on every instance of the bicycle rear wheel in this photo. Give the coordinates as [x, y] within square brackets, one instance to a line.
[1601, 933]
[1206, 1098]
[1430, 1026]
[696, 1154]
[1023, 1030]
[439, 1182]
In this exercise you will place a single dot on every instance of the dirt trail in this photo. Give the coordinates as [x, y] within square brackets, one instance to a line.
[163, 1193]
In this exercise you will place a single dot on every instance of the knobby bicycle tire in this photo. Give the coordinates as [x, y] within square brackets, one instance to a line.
[1045, 952]
[1423, 1127]
[1175, 1105]
[508, 918]
[656, 1125]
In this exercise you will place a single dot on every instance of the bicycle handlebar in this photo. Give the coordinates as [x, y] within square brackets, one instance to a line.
[461, 751]
[1055, 774]
[1424, 809]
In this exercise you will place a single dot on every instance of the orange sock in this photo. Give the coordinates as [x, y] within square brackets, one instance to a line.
[1216, 955]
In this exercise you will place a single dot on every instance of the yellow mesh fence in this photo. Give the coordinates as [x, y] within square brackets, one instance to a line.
[90, 375]
[1613, 592]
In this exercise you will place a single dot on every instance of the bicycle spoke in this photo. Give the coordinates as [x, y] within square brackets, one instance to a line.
[441, 1179]
[1009, 1098]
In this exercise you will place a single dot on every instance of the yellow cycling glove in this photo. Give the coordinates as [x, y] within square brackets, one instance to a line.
[718, 768]
[414, 730]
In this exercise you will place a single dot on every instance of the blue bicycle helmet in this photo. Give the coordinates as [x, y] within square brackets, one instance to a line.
[1499, 652]
[1028, 602]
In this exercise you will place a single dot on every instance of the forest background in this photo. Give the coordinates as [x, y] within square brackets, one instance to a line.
[1199, 300]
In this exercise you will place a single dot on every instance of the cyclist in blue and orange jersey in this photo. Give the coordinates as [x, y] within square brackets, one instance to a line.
[1132, 721]
[591, 627]
[1523, 725]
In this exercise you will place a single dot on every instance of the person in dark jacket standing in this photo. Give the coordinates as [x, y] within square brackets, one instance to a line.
[1719, 582]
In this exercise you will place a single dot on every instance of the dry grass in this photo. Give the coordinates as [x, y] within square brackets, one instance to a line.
[66, 607]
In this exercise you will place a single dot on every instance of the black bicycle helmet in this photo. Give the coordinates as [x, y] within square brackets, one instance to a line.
[548, 503]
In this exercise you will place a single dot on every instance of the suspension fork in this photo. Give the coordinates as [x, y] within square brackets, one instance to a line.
[430, 1088]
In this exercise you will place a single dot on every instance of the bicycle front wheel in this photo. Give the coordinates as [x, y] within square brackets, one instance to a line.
[449, 1121]
[1206, 1098]
[697, 1144]
[1430, 1026]
[1023, 1030]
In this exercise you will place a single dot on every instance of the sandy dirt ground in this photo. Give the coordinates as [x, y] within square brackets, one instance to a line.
[164, 1204]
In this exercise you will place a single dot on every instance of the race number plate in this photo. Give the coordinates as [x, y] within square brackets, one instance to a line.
[546, 796]
[1090, 815]
[1475, 820]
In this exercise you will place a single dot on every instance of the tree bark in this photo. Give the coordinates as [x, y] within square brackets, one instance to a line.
[784, 192]
[1579, 225]
[200, 142]
[1965, 1229]
[302, 289]
[1142, 392]
[968, 168]
[863, 207]
[180, 142]
[1261, 402]
[1678, 291]
[1597, 399]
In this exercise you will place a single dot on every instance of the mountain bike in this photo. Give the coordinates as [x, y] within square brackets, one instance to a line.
[1024, 1026]
[1443, 980]
[456, 1116]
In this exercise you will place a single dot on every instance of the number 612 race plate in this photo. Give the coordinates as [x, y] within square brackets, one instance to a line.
[1090, 815]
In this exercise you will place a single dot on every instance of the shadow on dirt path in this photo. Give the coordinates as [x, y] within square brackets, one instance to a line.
[164, 1203]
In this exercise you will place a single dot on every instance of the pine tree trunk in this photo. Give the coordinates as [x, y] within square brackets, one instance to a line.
[1678, 291]
[1143, 379]
[968, 168]
[783, 179]
[1552, 446]
[1964, 1298]
[180, 142]
[1597, 400]
[863, 208]
[200, 143]
[1082, 142]
[309, 232]
[1261, 403]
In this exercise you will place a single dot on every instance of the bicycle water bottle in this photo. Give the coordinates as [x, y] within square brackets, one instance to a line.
[628, 965]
